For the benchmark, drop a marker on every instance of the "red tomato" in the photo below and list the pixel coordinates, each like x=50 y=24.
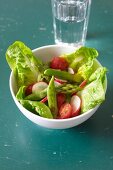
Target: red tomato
x=83 y=84
x=65 y=111
x=60 y=99
x=59 y=63
x=28 y=90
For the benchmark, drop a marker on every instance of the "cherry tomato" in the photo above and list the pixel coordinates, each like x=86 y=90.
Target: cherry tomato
x=61 y=97
x=65 y=111
x=28 y=90
x=59 y=63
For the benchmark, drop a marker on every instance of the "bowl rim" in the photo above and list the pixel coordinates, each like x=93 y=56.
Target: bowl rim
x=55 y=46
x=43 y=118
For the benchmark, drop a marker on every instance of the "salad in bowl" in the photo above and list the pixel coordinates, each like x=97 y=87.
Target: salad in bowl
x=56 y=86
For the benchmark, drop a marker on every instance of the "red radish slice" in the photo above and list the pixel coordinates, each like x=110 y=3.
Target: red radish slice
x=57 y=83
x=39 y=86
x=76 y=105
x=44 y=99
x=83 y=84
x=60 y=81
x=70 y=70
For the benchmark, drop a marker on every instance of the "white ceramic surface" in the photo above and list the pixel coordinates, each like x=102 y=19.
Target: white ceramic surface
x=46 y=53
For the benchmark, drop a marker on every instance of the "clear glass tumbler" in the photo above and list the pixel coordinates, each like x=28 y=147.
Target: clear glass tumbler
x=70 y=21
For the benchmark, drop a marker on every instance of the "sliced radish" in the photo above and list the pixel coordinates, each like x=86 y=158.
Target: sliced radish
x=83 y=84
x=70 y=70
x=44 y=99
x=39 y=86
x=60 y=80
x=57 y=83
x=76 y=105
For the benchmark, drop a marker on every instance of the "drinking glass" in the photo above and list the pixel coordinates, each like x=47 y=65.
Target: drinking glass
x=70 y=21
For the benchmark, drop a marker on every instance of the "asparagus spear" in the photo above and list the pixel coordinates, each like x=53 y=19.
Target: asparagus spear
x=68 y=88
x=64 y=88
x=63 y=75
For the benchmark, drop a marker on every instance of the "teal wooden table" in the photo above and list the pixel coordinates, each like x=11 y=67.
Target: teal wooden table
x=26 y=146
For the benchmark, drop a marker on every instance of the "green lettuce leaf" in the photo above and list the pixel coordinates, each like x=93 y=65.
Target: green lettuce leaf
x=99 y=73
x=27 y=67
x=80 y=57
x=85 y=70
x=21 y=93
x=93 y=93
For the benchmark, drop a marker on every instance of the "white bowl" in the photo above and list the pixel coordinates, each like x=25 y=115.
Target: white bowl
x=46 y=53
